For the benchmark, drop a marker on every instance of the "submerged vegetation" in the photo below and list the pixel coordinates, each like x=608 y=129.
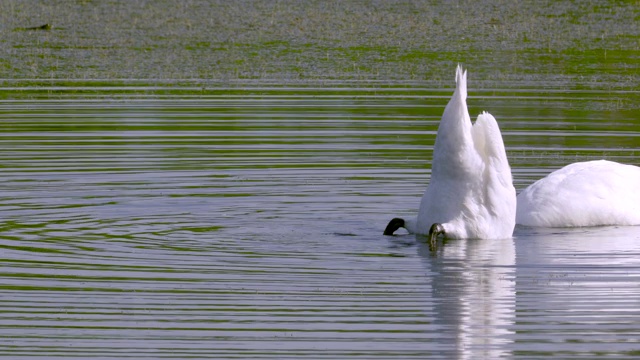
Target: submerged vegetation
x=315 y=41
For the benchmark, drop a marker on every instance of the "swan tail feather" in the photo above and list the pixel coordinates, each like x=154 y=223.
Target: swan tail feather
x=454 y=155
x=461 y=82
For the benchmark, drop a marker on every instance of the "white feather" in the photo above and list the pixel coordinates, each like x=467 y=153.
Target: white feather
x=471 y=191
x=592 y=193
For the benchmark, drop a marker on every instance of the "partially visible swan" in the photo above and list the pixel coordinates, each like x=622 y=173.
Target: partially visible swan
x=471 y=194
x=591 y=193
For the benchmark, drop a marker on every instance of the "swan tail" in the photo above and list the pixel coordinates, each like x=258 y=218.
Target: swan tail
x=453 y=154
x=461 y=82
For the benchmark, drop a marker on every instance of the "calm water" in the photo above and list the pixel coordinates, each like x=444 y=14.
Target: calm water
x=246 y=222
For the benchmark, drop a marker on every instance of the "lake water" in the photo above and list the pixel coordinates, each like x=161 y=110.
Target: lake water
x=246 y=221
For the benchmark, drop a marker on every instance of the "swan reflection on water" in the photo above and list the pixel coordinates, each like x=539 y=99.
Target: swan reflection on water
x=495 y=298
x=473 y=290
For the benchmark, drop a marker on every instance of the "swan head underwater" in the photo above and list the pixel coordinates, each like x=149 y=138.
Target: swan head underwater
x=470 y=193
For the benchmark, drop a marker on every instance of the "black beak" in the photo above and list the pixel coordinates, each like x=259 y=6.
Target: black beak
x=394 y=224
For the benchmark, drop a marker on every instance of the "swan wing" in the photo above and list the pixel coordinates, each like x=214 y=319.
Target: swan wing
x=487 y=140
x=498 y=197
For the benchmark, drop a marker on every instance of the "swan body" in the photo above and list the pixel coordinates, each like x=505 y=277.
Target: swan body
x=591 y=193
x=470 y=194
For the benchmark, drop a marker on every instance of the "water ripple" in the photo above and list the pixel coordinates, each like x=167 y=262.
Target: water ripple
x=246 y=222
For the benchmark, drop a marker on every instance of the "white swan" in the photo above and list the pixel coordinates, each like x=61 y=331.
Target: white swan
x=591 y=193
x=471 y=194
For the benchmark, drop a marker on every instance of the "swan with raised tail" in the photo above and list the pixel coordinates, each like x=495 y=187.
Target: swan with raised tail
x=591 y=193
x=471 y=193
